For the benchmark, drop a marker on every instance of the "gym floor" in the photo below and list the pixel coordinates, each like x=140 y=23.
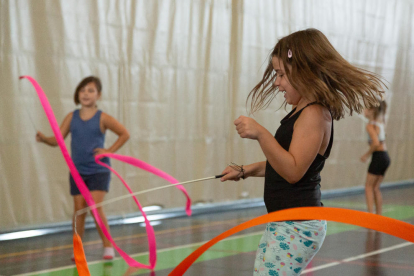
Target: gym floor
x=347 y=250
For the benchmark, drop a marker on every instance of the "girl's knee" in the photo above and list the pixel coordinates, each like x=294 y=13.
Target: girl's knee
x=81 y=216
x=369 y=188
x=377 y=189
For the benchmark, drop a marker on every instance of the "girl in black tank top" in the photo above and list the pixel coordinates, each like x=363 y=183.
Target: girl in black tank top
x=323 y=86
x=279 y=193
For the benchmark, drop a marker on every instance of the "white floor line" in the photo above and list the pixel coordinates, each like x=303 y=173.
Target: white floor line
x=140 y=254
x=236 y=237
x=357 y=257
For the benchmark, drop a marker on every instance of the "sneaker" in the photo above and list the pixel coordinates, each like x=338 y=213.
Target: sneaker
x=109 y=253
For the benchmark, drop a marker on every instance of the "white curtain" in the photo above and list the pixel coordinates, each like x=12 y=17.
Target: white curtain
x=176 y=74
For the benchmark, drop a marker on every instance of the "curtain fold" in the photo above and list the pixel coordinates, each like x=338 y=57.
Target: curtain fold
x=177 y=74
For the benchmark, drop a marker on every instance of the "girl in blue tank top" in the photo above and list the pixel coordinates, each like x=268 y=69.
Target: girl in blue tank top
x=380 y=160
x=322 y=86
x=87 y=126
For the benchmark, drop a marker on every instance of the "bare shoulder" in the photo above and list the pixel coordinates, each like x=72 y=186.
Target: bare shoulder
x=108 y=120
x=69 y=116
x=371 y=127
x=106 y=116
x=316 y=114
x=65 y=126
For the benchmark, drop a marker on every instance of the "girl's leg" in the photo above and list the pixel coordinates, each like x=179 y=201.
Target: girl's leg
x=286 y=248
x=378 y=195
x=369 y=191
x=98 y=197
x=259 y=267
x=79 y=203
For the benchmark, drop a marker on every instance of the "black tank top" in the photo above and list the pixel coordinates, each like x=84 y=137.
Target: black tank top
x=280 y=194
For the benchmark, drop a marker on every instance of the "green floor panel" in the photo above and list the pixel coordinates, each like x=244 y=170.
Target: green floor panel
x=246 y=244
x=169 y=258
x=337 y=227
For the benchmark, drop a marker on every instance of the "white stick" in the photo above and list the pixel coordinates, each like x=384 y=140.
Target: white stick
x=85 y=210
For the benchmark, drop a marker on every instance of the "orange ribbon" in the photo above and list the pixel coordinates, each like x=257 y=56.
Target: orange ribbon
x=80 y=259
x=387 y=225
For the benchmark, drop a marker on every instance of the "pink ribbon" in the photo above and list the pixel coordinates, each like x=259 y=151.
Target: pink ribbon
x=147 y=167
x=87 y=195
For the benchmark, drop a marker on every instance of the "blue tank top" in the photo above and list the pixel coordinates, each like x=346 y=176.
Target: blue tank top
x=87 y=136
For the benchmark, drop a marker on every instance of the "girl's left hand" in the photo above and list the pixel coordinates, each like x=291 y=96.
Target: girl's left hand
x=248 y=127
x=40 y=137
x=364 y=158
x=98 y=151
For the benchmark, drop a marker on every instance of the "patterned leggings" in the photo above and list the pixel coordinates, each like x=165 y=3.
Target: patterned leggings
x=287 y=247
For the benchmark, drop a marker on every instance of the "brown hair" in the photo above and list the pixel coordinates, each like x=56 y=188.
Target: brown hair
x=379 y=109
x=83 y=83
x=318 y=70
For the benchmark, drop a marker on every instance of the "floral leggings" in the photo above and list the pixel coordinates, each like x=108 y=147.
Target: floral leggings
x=287 y=247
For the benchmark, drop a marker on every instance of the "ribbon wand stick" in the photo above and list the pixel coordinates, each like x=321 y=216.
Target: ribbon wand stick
x=85 y=210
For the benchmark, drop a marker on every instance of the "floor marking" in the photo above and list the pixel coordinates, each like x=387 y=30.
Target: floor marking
x=140 y=254
x=140 y=235
x=334 y=263
x=362 y=256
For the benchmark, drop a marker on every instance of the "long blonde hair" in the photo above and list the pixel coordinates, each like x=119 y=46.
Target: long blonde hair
x=318 y=70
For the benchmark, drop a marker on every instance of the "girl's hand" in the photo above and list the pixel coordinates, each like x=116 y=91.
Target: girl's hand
x=231 y=174
x=364 y=158
x=40 y=137
x=248 y=127
x=98 y=151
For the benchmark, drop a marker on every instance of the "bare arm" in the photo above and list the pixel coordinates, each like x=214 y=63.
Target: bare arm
x=375 y=143
x=64 y=129
x=112 y=124
x=256 y=169
x=306 y=142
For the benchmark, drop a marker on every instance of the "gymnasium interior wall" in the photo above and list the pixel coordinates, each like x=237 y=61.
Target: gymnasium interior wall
x=177 y=74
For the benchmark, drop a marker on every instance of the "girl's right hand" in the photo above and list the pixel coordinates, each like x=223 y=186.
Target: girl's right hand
x=40 y=137
x=230 y=174
x=364 y=158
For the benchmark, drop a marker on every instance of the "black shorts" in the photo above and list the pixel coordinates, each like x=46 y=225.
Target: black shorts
x=94 y=182
x=379 y=163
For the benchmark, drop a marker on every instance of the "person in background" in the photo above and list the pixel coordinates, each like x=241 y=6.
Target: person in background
x=87 y=126
x=380 y=160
